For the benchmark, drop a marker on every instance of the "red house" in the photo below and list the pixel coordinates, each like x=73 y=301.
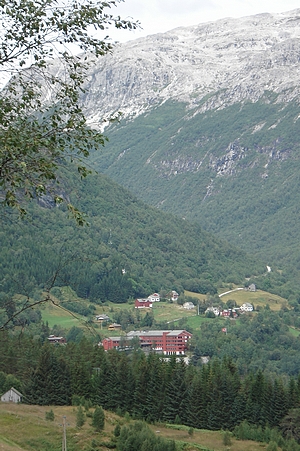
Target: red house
x=54 y=339
x=166 y=342
x=225 y=313
x=143 y=303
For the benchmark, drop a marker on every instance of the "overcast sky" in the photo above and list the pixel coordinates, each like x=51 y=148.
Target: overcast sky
x=162 y=15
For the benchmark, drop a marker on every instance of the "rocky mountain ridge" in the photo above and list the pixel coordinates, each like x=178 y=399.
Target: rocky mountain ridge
x=212 y=65
x=210 y=129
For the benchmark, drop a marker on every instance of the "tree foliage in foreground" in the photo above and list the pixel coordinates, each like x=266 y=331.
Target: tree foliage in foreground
x=41 y=120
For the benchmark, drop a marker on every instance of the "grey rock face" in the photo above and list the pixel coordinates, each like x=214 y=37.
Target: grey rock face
x=211 y=65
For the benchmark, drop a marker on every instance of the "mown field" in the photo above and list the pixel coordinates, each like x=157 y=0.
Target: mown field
x=55 y=315
x=257 y=298
x=24 y=428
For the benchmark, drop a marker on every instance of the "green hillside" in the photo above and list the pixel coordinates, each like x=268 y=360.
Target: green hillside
x=128 y=250
x=235 y=171
x=34 y=432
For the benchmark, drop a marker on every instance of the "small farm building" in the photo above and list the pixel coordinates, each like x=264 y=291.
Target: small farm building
x=12 y=395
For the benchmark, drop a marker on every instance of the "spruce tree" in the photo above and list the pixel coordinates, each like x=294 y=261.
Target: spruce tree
x=155 y=396
x=49 y=415
x=176 y=391
x=49 y=382
x=98 y=419
x=278 y=404
x=142 y=377
x=80 y=418
x=196 y=406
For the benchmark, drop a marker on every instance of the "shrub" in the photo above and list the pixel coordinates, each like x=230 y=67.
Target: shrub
x=117 y=430
x=191 y=432
x=76 y=400
x=49 y=415
x=177 y=419
x=272 y=446
x=227 y=438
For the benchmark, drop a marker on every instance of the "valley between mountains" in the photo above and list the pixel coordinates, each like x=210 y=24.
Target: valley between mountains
x=210 y=128
x=195 y=198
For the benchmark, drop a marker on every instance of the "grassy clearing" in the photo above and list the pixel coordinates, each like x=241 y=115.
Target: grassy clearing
x=205 y=440
x=168 y=312
x=8 y=445
x=56 y=315
x=24 y=428
x=294 y=331
x=195 y=321
x=199 y=296
x=257 y=298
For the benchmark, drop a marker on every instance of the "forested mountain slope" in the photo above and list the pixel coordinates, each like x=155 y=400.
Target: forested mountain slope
x=235 y=171
x=210 y=128
x=154 y=249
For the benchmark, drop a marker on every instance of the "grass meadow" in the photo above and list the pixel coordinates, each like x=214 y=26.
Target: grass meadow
x=24 y=428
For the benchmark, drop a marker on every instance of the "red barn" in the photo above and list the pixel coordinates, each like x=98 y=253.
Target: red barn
x=142 y=303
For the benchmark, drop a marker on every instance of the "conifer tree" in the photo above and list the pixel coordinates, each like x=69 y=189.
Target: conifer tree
x=49 y=382
x=278 y=403
x=80 y=418
x=196 y=395
x=175 y=391
x=155 y=395
x=80 y=378
x=142 y=377
x=98 y=419
x=215 y=404
x=293 y=394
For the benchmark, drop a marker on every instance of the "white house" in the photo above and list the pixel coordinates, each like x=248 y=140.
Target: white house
x=102 y=318
x=173 y=295
x=247 y=307
x=252 y=287
x=154 y=297
x=215 y=310
x=12 y=395
x=188 y=305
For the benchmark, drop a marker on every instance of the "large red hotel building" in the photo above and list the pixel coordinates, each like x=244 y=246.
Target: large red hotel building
x=166 y=342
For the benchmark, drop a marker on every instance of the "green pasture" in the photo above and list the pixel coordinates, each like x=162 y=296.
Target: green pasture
x=257 y=298
x=56 y=315
x=170 y=312
x=199 y=296
x=194 y=322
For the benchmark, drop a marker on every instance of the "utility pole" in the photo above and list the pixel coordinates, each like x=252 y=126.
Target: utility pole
x=64 y=439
